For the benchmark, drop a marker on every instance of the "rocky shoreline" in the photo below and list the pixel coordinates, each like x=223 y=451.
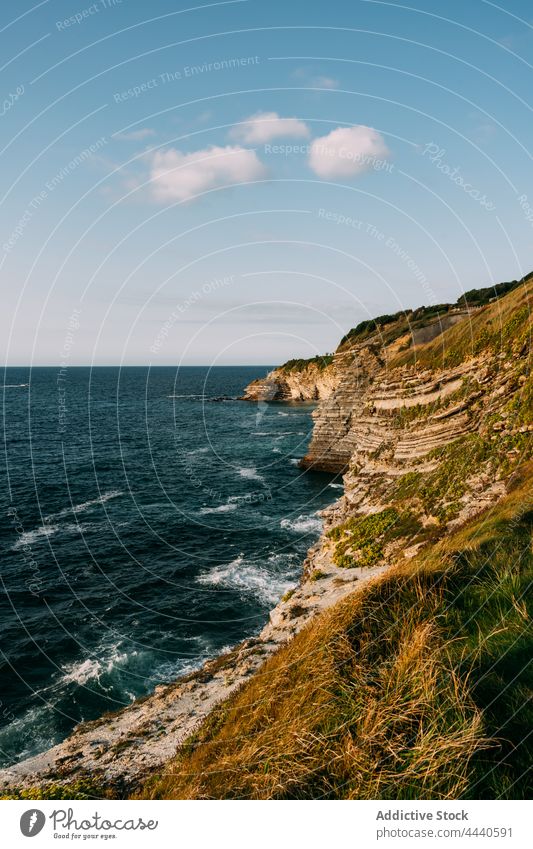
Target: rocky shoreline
x=120 y=750
x=427 y=436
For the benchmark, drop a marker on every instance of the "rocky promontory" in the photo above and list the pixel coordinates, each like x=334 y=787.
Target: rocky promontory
x=427 y=414
x=297 y=380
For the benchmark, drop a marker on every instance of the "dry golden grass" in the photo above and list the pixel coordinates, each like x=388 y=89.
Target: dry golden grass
x=382 y=697
x=365 y=703
x=342 y=712
x=497 y=326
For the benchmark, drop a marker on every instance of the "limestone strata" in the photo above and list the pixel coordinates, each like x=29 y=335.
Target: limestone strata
x=308 y=384
x=381 y=424
x=363 y=415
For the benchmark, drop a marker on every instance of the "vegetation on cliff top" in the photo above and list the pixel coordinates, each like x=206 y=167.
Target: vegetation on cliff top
x=403 y=321
x=500 y=328
x=321 y=361
x=393 y=325
x=417 y=686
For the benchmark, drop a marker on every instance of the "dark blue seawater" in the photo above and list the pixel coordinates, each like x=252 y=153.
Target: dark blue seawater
x=146 y=527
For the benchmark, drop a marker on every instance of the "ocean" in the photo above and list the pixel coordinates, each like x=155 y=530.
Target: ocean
x=150 y=522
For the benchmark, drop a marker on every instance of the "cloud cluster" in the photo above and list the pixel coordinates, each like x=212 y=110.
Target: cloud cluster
x=343 y=153
x=265 y=126
x=182 y=176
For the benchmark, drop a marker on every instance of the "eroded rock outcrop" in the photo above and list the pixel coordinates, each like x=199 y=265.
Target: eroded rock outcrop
x=427 y=433
x=311 y=380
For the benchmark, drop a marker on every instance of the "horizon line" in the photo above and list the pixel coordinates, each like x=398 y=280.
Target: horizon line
x=142 y=365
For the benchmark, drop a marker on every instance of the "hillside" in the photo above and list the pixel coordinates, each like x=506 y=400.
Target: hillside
x=417 y=683
x=399 y=667
x=318 y=377
x=418 y=686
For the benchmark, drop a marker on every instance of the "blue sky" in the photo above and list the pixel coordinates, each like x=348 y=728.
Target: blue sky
x=242 y=182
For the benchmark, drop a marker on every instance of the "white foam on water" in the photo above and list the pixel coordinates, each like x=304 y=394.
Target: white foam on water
x=303 y=524
x=248 y=578
x=85 y=505
x=250 y=474
x=37 y=534
x=282 y=434
x=91 y=669
x=222 y=508
x=29 y=537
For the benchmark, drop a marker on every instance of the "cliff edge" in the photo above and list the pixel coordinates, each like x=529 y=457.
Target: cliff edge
x=394 y=667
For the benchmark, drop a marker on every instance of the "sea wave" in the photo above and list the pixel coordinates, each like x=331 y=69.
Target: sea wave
x=38 y=534
x=29 y=537
x=92 y=668
x=222 y=508
x=85 y=505
x=205 y=397
x=282 y=434
x=248 y=578
x=303 y=524
x=250 y=474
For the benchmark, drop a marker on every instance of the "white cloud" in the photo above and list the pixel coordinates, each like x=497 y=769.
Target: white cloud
x=181 y=176
x=136 y=135
x=265 y=126
x=347 y=152
x=325 y=82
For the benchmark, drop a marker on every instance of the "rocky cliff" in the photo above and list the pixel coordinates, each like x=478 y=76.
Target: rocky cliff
x=429 y=416
x=297 y=380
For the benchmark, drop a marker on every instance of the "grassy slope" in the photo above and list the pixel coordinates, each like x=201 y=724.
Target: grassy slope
x=417 y=686
x=389 y=327
x=420 y=684
x=501 y=327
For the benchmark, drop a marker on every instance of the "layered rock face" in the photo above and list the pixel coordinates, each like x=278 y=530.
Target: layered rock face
x=309 y=383
x=391 y=409
x=369 y=414
x=427 y=433
x=405 y=399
